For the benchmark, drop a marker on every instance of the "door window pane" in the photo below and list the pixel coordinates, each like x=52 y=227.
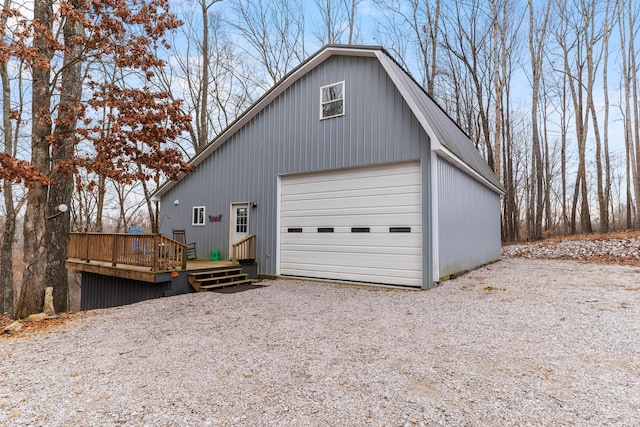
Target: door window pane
x=241 y=220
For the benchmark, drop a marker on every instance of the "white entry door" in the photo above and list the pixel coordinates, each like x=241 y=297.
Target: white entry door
x=239 y=222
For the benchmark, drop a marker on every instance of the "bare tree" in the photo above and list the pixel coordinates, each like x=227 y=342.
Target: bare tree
x=467 y=36
x=9 y=225
x=577 y=39
x=603 y=188
x=537 y=42
x=351 y=7
x=274 y=32
x=417 y=26
x=201 y=116
x=628 y=27
x=626 y=77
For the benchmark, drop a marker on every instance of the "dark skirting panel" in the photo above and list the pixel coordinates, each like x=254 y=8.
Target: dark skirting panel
x=99 y=291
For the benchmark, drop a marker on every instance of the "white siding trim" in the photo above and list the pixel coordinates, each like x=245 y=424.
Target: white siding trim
x=278 y=220
x=435 y=209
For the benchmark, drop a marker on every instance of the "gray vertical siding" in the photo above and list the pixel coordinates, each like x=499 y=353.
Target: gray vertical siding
x=288 y=137
x=469 y=221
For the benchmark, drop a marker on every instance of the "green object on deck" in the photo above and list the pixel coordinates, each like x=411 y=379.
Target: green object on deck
x=215 y=256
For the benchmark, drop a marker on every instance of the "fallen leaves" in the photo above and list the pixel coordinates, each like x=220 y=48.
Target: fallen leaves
x=35 y=327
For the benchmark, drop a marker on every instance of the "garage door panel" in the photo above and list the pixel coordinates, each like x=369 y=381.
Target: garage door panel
x=321 y=241
x=305 y=251
x=344 y=223
x=320 y=184
x=387 y=200
x=307 y=269
x=339 y=194
x=322 y=218
x=354 y=274
x=376 y=198
x=339 y=262
x=326 y=245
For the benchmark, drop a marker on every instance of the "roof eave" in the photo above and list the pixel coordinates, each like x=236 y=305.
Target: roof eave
x=436 y=144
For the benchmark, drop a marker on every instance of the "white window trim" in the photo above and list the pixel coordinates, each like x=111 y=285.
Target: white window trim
x=344 y=101
x=204 y=215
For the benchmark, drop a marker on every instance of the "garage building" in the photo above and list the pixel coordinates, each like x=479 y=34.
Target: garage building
x=345 y=170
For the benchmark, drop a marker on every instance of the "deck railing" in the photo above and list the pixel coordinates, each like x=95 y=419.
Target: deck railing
x=145 y=250
x=244 y=249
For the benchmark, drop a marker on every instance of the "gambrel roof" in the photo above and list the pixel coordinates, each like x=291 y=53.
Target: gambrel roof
x=448 y=140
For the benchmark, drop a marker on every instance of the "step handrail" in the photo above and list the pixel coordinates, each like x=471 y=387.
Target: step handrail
x=244 y=248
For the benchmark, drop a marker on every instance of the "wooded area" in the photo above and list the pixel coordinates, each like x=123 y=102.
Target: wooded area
x=104 y=100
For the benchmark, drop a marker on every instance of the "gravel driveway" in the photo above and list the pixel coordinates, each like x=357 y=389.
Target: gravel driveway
x=519 y=342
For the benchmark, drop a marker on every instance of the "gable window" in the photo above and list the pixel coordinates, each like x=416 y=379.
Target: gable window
x=332 y=100
x=197 y=218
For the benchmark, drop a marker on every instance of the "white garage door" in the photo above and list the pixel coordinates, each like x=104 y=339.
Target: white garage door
x=360 y=225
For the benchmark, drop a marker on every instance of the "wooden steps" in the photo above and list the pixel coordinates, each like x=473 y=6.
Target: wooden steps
x=218 y=278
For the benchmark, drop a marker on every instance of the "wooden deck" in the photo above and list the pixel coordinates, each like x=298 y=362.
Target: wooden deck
x=140 y=273
x=151 y=258
x=153 y=251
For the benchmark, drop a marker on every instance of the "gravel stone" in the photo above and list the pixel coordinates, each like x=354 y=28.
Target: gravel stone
x=608 y=249
x=519 y=342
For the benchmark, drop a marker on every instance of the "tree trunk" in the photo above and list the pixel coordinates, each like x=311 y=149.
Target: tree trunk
x=100 y=204
x=536 y=44
x=6 y=253
x=602 y=201
x=581 y=118
x=203 y=131
x=352 y=20
x=434 y=45
x=58 y=226
x=630 y=170
x=155 y=227
x=33 y=279
x=9 y=228
x=510 y=218
x=604 y=220
x=633 y=69
x=563 y=153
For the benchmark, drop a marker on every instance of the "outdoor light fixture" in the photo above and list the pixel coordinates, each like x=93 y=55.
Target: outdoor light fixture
x=62 y=208
x=254 y=205
x=176 y=202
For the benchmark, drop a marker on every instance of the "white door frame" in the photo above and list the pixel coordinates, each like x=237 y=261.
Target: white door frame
x=278 y=219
